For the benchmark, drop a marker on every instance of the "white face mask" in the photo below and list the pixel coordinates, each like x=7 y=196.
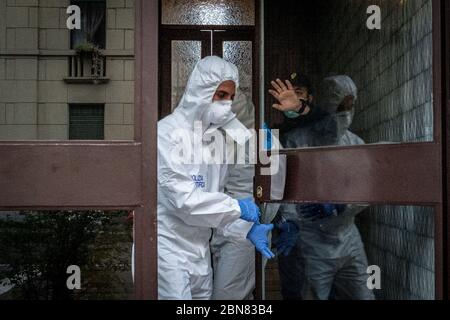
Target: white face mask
x=218 y=113
x=344 y=121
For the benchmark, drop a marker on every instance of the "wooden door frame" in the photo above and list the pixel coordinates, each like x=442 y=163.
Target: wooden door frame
x=168 y=33
x=101 y=175
x=88 y=165
x=446 y=145
x=245 y=34
x=146 y=104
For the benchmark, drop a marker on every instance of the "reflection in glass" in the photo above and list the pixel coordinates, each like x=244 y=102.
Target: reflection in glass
x=208 y=12
x=38 y=247
x=391 y=67
x=329 y=260
x=401 y=241
x=185 y=54
x=240 y=54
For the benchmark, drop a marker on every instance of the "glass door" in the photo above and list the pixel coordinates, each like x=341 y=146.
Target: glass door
x=381 y=174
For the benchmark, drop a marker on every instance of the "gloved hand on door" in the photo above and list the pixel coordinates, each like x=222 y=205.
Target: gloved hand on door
x=258 y=235
x=249 y=210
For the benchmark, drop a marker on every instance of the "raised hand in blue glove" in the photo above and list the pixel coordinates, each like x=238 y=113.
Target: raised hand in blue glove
x=249 y=210
x=287 y=238
x=258 y=235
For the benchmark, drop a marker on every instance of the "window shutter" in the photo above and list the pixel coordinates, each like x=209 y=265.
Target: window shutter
x=86 y=121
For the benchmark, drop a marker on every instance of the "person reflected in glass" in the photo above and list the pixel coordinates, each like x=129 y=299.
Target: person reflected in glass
x=319 y=248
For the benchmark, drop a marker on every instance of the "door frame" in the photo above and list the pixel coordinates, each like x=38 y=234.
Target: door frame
x=168 y=33
x=445 y=27
x=100 y=175
x=134 y=163
x=146 y=106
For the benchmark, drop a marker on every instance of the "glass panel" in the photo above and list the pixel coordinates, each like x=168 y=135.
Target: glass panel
x=240 y=53
x=208 y=12
x=391 y=69
x=185 y=55
x=42 y=77
x=328 y=260
x=44 y=251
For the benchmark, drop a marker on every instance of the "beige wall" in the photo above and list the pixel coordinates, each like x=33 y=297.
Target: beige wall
x=34 y=48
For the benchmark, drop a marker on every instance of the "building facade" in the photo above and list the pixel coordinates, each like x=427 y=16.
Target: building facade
x=48 y=87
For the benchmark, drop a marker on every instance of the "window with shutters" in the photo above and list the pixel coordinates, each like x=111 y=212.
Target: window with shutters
x=86 y=121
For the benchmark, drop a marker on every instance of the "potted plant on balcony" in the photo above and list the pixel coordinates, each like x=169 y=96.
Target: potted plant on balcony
x=91 y=51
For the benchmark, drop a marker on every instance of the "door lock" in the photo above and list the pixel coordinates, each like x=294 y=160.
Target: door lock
x=259 y=192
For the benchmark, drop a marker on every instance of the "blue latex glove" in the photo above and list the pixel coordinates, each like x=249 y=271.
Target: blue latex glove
x=314 y=212
x=287 y=238
x=249 y=210
x=258 y=235
x=268 y=137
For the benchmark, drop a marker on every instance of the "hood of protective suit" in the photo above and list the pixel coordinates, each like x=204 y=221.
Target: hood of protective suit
x=333 y=90
x=244 y=109
x=207 y=76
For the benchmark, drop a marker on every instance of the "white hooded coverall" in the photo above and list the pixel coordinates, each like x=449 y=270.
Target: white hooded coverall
x=191 y=198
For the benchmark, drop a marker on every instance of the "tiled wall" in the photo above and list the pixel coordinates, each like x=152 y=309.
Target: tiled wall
x=400 y=240
x=392 y=67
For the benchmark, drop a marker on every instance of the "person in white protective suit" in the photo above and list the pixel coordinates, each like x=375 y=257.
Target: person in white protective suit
x=233 y=258
x=320 y=242
x=191 y=198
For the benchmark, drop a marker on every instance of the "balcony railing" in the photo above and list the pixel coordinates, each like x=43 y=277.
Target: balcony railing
x=84 y=69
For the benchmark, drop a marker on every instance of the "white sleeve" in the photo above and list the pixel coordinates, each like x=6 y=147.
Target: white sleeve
x=239 y=186
x=194 y=206
x=238 y=229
